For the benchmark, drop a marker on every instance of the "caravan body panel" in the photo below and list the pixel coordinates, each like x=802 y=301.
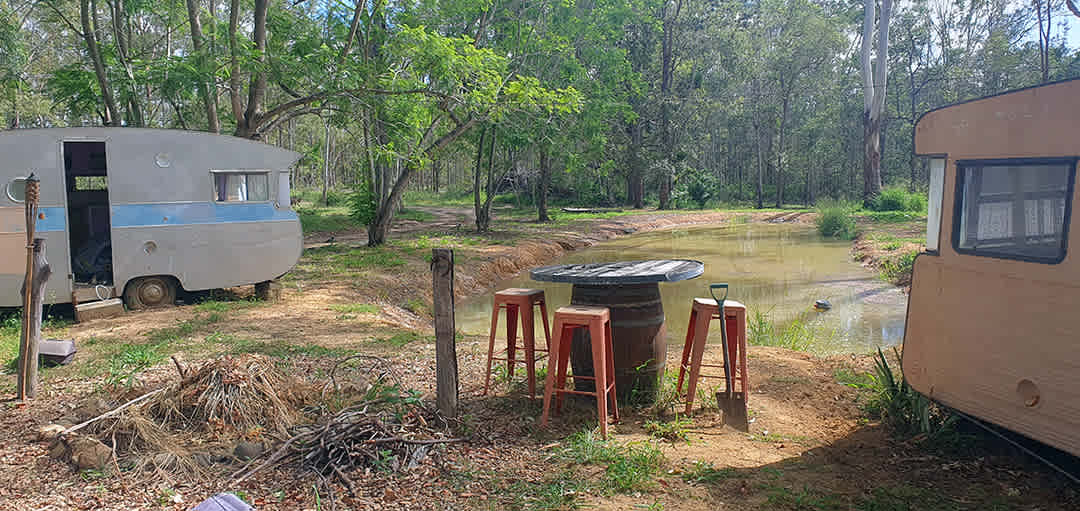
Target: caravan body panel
x=991 y=334
x=164 y=215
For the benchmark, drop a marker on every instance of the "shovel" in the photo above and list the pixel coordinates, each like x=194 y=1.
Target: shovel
x=732 y=404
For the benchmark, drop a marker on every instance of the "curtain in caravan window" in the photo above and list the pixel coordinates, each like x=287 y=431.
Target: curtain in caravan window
x=1014 y=210
x=239 y=187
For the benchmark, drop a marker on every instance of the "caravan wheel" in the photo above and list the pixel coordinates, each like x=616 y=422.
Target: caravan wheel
x=148 y=292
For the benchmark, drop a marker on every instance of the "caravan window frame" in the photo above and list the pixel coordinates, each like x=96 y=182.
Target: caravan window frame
x=958 y=206
x=244 y=172
x=7 y=189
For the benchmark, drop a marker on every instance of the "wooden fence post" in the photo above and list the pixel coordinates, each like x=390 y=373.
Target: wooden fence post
x=446 y=369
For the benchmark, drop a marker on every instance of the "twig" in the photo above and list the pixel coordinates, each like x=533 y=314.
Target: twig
x=112 y=412
x=348 y=482
x=391 y=440
x=179 y=368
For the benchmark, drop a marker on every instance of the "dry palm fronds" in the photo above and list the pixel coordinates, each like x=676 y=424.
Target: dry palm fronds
x=219 y=402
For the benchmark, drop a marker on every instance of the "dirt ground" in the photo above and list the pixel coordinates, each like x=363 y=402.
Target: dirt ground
x=810 y=445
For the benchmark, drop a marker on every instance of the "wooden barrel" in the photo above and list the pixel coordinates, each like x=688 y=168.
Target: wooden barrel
x=637 y=324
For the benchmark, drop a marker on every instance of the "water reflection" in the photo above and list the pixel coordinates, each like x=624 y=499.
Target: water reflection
x=777 y=270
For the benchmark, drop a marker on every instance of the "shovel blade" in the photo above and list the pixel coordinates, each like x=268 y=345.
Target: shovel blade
x=733 y=408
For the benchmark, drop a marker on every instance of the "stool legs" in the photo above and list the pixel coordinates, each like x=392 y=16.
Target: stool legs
x=701 y=334
x=603 y=369
x=557 y=374
x=684 y=366
x=491 y=344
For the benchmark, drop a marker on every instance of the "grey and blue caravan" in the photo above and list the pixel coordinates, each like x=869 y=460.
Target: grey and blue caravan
x=141 y=213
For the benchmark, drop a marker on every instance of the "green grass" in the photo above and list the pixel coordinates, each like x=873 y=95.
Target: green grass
x=898 y=199
x=674 y=430
x=890 y=217
x=705 y=472
x=853 y=379
x=401 y=339
x=629 y=467
x=278 y=349
x=796 y=335
x=356 y=308
x=415 y=215
x=332 y=257
x=553 y=493
x=898 y=267
x=326 y=219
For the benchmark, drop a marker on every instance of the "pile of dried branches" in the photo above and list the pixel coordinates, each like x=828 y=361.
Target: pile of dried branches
x=389 y=429
x=209 y=408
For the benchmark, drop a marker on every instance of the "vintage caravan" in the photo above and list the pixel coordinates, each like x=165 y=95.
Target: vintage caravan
x=993 y=325
x=141 y=213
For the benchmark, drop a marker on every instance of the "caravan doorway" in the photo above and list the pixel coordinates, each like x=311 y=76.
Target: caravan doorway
x=89 y=230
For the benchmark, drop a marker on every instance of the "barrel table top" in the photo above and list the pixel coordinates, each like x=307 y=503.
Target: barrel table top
x=620 y=273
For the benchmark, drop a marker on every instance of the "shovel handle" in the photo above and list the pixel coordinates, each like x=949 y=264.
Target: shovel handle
x=712 y=291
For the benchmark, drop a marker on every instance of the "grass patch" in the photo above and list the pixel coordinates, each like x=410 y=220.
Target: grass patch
x=629 y=467
x=238 y=345
x=778 y=438
x=132 y=359
x=805 y=499
x=796 y=335
x=705 y=472
x=890 y=217
x=904 y=410
x=401 y=339
x=898 y=199
x=416 y=215
x=898 y=268
x=672 y=431
x=356 y=308
x=322 y=219
x=855 y=380
x=556 y=493
x=837 y=220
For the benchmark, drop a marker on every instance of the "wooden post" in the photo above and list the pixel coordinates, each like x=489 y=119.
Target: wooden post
x=31 y=338
x=27 y=381
x=442 y=276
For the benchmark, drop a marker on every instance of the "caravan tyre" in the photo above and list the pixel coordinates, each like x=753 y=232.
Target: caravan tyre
x=149 y=292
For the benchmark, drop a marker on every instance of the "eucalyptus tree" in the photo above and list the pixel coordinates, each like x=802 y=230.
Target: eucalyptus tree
x=874 y=82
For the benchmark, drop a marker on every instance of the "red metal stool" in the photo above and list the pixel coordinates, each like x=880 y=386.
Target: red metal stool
x=518 y=302
x=598 y=321
x=702 y=313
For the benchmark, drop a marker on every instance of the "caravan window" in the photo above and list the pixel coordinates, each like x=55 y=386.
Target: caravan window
x=16 y=189
x=1013 y=209
x=241 y=186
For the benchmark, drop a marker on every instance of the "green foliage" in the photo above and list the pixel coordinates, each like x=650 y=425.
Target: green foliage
x=899 y=199
x=130 y=360
x=795 y=335
x=853 y=379
x=416 y=215
x=319 y=219
x=705 y=472
x=629 y=467
x=399 y=340
x=356 y=308
x=836 y=220
x=903 y=409
x=673 y=430
x=898 y=268
x=362 y=203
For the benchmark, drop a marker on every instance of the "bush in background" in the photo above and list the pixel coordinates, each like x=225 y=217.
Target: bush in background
x=898 y=199
x=836 y=220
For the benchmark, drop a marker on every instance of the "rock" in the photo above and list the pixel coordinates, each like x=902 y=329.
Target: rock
x=91 y=408
x=822 y=305
x=85 y=452
x=88 y=452
x=248 y=450
x=49 y=432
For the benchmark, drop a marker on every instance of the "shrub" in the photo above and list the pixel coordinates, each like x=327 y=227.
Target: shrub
x=901 y=407
x=898 y=269
x=898 y=199
x=362 y=204
x=835 y=220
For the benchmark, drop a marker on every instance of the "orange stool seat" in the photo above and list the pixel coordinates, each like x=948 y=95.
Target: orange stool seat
x=518 y=302
x=598 y=322
x=702 y=313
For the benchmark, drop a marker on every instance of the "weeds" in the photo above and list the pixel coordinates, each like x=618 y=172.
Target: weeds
x=672 y=431
x=630 y=467
x=705 y=472
x=898 y=268
x=356 y=308
x=401 y=339
x=836 y=220
x=898 y=199
x=796 y=335
x=855 y=380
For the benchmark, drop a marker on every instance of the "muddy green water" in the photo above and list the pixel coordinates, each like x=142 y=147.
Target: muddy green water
x=777 y=270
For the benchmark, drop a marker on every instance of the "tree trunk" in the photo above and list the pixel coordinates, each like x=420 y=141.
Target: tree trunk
x=542 y=187
x=780 y=153
x=206 y=91
x=871 y=158
x=484 y=218
x=476 y=181
x=27 y=386
x=111 y=114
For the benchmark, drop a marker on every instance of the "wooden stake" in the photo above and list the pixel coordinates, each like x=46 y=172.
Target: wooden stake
x=446 y=369
x=27 y=377
x=31 y=337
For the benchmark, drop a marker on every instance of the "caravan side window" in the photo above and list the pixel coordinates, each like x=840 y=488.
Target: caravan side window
x=241 y=186
x=1015 y=209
